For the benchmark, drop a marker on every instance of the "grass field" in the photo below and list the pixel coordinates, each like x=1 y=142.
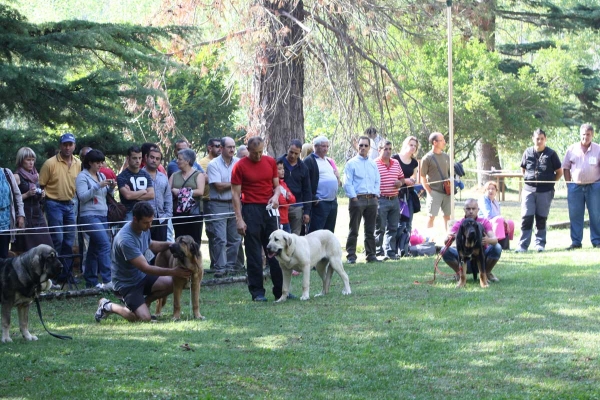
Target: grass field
x=534 y=334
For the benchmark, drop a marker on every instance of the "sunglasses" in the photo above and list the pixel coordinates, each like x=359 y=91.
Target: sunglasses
x=216 y=145
x=363 y=145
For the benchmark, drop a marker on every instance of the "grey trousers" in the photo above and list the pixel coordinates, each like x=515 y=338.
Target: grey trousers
x=295 y=215
x=388 y=217
x=225 y=238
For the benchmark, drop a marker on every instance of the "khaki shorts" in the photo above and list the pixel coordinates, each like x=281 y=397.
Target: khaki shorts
x=437 y=200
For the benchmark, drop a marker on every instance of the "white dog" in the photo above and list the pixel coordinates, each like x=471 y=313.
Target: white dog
x=320 y=248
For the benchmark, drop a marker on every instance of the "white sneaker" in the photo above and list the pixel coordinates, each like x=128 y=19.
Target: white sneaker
x=98 y=286
x=107 y=286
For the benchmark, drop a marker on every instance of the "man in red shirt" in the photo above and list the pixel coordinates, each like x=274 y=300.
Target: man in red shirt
x=254 y=186
x=388 y=213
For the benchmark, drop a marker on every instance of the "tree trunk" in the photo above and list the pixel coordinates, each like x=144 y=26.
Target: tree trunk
x=277 y=110
x=486 y=152
x=487 y=157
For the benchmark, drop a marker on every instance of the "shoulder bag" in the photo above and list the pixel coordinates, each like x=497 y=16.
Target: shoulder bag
x=446 y=182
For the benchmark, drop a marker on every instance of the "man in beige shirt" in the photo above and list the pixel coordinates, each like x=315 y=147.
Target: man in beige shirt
x=57 y=178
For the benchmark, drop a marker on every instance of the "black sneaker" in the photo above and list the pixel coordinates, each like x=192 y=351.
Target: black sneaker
x=101 y=312
x=260 y=298
x=573 y=247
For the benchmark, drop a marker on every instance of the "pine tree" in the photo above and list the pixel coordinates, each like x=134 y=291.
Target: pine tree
x=72 y=75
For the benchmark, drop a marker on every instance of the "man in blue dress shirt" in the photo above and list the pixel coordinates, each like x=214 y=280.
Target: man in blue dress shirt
x=361 y=184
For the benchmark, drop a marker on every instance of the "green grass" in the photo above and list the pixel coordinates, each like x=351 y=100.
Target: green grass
x=532 y=335
x=535 y=334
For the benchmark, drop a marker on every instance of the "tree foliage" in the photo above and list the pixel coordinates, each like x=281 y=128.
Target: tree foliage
x=72 y=75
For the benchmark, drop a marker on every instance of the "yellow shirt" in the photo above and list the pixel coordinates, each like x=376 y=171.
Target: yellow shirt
x=58 y=179
x=204 y=164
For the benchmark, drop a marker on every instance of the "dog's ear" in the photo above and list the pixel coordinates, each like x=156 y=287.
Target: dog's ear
x=288 y=240
x=195 y=248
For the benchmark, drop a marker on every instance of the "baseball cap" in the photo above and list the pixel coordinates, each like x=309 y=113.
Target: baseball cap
x=67 y=137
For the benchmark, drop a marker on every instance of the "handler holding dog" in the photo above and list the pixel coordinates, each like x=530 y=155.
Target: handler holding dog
x=491 y=247
x=133 y=277
x=255 y=190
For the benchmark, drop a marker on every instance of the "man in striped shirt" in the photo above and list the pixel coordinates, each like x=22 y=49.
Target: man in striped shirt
x=388 y=214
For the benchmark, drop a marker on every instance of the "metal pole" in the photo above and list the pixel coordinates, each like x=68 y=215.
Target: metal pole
x=450 y=107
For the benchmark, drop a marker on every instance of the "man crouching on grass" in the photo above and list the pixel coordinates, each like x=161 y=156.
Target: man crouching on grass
x=138 y=282
x=490 y=243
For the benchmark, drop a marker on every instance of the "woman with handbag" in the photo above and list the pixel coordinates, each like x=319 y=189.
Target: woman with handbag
x=187 y=186
x=26 y=177
x=409 y=165
x=11 y=210
x=92 y=188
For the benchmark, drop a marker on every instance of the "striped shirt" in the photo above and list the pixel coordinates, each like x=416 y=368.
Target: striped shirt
x=389 y=175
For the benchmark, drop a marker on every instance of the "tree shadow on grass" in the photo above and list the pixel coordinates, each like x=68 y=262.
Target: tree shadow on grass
x=533 y=334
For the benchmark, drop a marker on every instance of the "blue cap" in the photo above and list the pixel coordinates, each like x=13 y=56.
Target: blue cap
x=67 y=137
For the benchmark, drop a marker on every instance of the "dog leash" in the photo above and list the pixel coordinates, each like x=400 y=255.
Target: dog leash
x=437 y=261
x=39 y=310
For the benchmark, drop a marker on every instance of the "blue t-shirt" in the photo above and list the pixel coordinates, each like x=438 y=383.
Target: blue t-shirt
x=138 y=181
x=128 y=245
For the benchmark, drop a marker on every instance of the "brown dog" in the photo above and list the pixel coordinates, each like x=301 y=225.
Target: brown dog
x=184 y=253
x=21 y=280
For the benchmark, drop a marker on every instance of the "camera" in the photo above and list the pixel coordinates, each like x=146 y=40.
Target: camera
x=38 y=191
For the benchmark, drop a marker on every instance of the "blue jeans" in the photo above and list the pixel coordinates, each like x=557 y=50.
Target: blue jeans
x=579 y=197
x=59 y=215
x=323 y=216
x=98 y=254
x=491 y=252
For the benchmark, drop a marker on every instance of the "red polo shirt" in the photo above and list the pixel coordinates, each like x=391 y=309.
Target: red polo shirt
x=256 y=179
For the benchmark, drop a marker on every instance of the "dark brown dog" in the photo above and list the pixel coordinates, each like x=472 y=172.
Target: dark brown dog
x=184 y=253
x=21 y=279
x=469 y=244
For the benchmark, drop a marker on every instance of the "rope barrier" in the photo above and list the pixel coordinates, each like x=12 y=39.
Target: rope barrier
x=229 y=215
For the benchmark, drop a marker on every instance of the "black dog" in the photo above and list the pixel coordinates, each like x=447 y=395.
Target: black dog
x=469 y=244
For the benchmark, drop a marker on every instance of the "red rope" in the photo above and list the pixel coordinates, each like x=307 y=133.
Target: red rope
x=436 y=269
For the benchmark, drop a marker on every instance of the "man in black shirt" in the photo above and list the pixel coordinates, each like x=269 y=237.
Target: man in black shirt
x=298 y=180
x=541 y=168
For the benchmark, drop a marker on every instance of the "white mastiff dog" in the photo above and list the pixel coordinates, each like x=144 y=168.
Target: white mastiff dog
x=320 y=248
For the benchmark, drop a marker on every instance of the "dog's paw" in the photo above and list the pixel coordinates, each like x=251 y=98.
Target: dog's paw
x=460 y=284
x=30 y=337
x=319 y=294
x=281 y=299
x=6 y=339
x=346 y=292
x=305 y=297
x=200 y=317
